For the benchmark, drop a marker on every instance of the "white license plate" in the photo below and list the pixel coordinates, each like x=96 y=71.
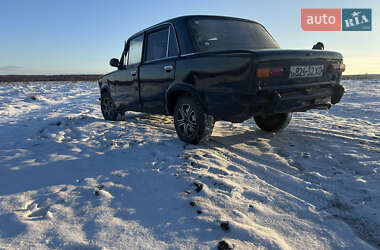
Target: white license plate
x=303 y=71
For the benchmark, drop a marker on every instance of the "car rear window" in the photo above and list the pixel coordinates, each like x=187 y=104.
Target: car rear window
x=157 y=43
x=213 y=34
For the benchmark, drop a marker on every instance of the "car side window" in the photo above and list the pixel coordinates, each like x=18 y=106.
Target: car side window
x=135 y=50
x=157 y=42
x=173 y=46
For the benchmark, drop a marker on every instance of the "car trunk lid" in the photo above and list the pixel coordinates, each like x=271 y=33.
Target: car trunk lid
x=284 y=68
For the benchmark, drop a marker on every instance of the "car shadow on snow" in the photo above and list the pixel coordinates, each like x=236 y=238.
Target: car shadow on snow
x=329 y=151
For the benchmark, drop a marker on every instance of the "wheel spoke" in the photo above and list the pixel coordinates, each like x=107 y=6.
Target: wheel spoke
x=183 y=111
x=192 y=126
x=185 y=130
x=180 y=122
x=192 y=120
x=190 y=112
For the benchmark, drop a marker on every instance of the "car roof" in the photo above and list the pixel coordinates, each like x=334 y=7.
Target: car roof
x=185 y=18
x=206 y=16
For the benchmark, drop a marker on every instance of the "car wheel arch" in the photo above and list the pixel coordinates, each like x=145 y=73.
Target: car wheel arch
x=176 y=90
x=105 y=89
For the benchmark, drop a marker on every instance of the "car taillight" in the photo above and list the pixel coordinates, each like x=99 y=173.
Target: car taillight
x=336 y=67
x=263 y=72
x=277 y=71
x=268 y=72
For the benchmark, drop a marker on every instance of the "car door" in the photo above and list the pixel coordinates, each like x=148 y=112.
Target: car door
x=125 y=81
x=157 y=71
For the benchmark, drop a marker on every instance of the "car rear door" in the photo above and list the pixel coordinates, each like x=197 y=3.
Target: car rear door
x=157 y=71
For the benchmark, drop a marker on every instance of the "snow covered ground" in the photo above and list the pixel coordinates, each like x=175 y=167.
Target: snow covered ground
x=70 y=180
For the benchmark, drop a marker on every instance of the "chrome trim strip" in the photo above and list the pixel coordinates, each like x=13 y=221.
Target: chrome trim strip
x=190 y=54
x=160 y=59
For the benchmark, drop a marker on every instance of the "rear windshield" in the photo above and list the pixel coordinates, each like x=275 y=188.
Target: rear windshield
x=212 y=34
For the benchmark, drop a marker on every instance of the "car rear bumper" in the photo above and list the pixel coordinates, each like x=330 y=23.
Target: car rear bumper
x=297 y=98
x=277 y=99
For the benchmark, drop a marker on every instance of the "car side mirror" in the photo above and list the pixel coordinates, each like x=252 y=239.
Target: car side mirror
x=114 y=62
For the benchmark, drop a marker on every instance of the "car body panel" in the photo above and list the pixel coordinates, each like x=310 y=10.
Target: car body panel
x=154 y=80
x=222 y=80
x=124 y=88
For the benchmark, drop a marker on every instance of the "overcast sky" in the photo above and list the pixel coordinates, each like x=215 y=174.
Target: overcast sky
x=80 y=36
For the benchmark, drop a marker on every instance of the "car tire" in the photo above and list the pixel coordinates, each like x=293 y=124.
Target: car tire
x=192 y=124
x=273 y=123
x=108 y=107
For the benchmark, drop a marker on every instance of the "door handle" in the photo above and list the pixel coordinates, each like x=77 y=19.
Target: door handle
x=134 y=73
x=168 y=68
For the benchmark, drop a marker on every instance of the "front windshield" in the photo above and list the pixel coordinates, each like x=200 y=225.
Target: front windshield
x=212 y=34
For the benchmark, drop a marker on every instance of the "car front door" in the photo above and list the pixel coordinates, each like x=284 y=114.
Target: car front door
x=125 y=81
x=157 y=71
